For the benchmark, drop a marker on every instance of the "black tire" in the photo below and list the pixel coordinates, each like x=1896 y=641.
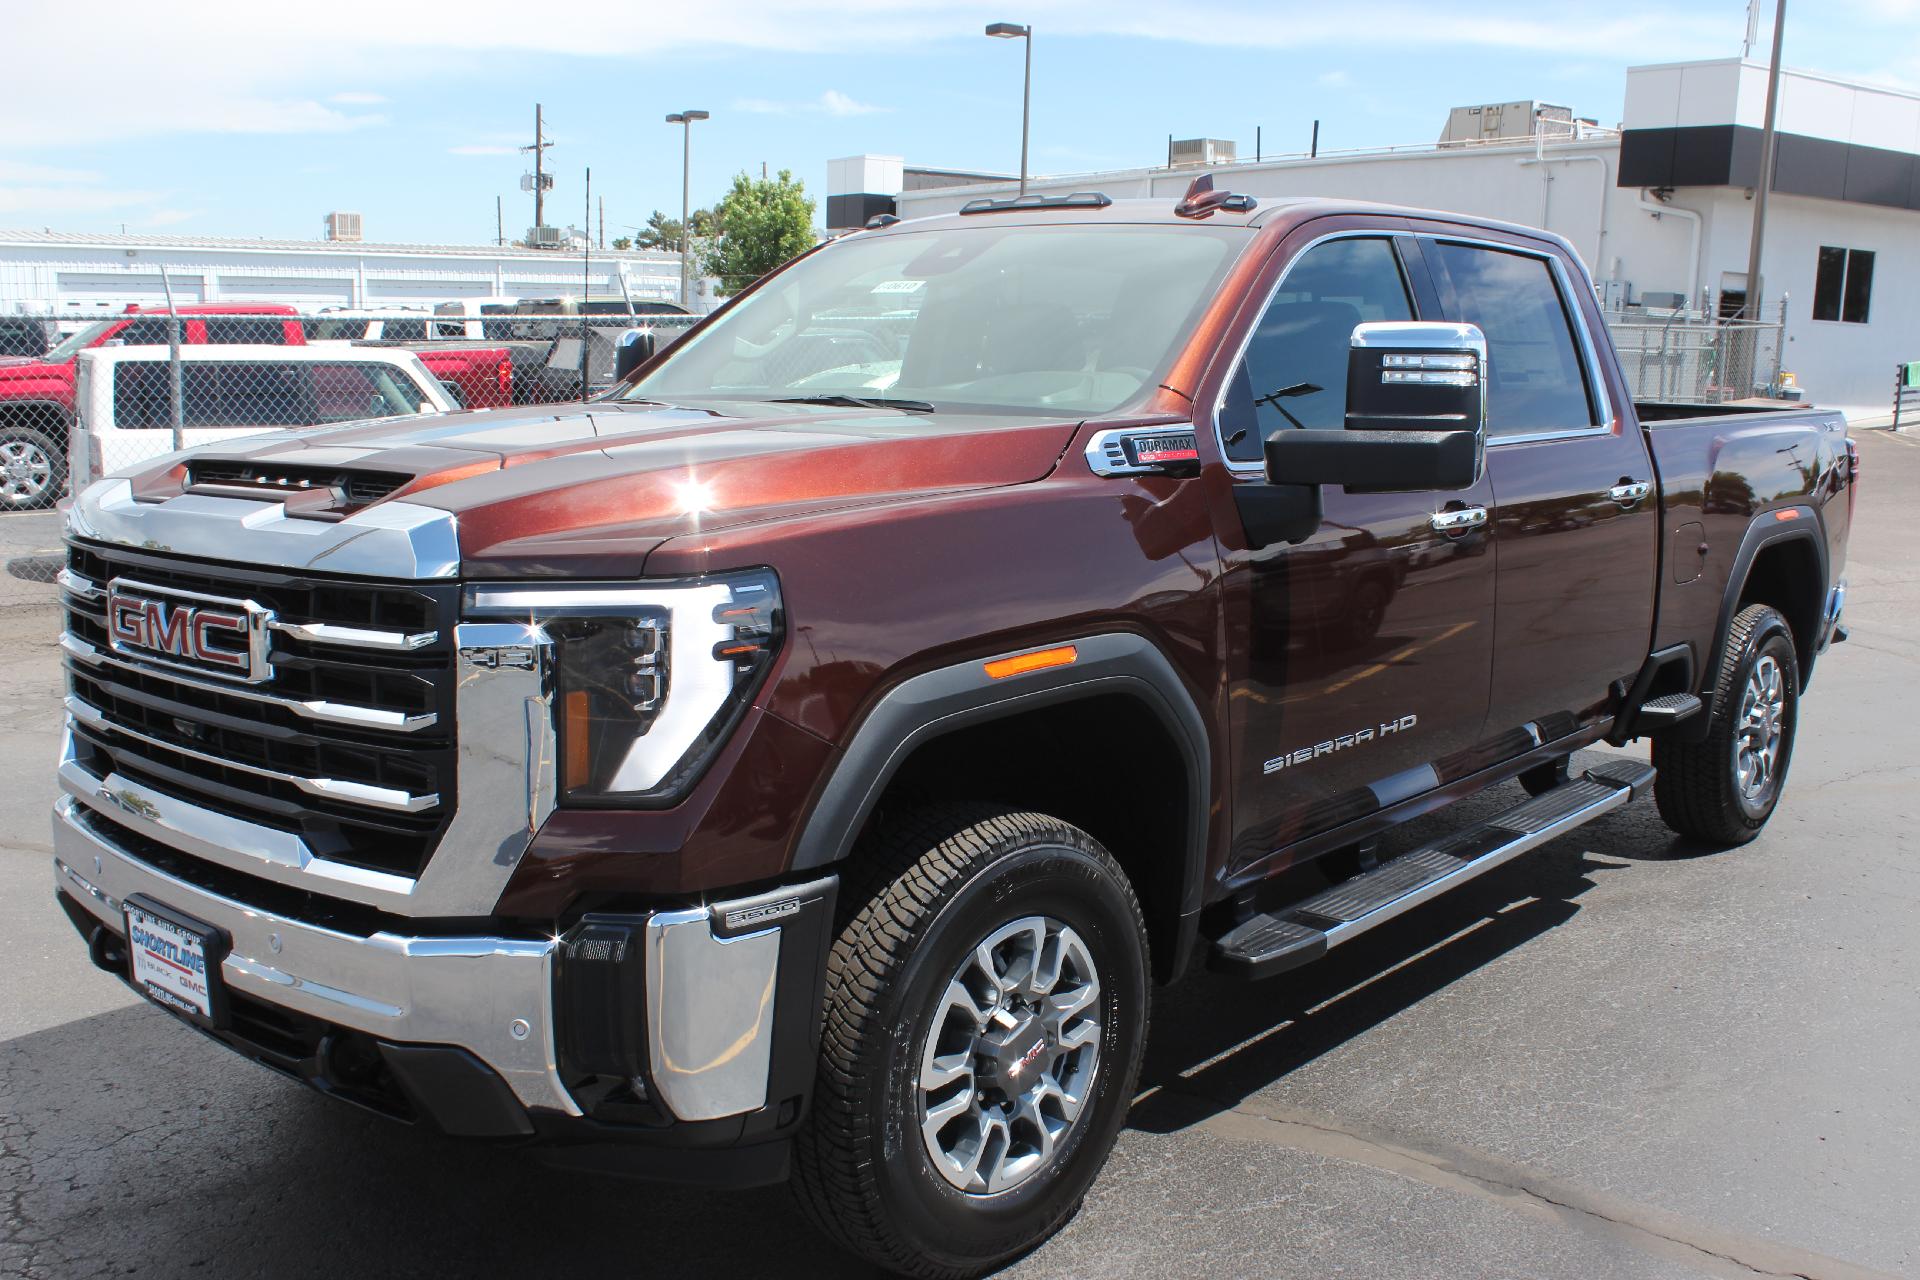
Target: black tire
x=1699 y=789
x=1543 y=778
x=33 y=469
x=941 y=881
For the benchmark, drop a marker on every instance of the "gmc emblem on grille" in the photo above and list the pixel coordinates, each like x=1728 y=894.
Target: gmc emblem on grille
x=199 y=632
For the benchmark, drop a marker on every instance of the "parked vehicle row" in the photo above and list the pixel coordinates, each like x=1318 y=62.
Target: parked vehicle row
x=802 y=762
x=485 y=354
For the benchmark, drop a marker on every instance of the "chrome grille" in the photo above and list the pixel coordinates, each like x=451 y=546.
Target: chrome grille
x=349 y=744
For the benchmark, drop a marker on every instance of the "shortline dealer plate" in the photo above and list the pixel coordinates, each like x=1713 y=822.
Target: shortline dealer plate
x=175 y=961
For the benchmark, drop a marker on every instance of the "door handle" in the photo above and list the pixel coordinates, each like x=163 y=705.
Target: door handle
x=1460 y=520
x=1628 y=494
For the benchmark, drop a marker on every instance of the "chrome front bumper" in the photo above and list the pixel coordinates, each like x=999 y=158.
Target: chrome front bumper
x=711 y=978
x=490 y=996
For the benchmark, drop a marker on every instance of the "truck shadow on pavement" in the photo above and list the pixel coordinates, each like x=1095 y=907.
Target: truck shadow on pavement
x=1216 y=1041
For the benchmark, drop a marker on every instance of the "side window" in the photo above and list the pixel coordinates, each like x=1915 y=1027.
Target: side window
x=268 y=329
x=1535 y=378
x=404 y=330
x=146 y=332
x=1295 y=371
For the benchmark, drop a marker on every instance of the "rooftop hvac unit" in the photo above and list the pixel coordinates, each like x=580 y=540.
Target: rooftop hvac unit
x=546 y=238
x=343 y=226
x=1504 y=120
x=1199 y=151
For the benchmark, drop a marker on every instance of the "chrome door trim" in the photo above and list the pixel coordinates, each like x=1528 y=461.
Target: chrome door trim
x=1601 y=400
x=1458 y=521
x=1254 y=468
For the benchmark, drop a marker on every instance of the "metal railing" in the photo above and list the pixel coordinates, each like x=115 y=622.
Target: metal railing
x=1694 y=358
x=1906 y=394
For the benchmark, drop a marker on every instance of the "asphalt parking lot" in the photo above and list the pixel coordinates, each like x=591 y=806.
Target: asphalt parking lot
x=1615 y=1057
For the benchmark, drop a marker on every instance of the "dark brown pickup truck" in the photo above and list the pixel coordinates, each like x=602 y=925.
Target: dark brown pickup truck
x=803 y=760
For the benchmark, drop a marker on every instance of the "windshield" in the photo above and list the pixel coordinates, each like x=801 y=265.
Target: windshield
x=1045 y=319
x=80 y=341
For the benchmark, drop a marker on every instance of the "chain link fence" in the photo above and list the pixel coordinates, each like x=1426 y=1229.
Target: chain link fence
x=84 y=399
x=1692 y=358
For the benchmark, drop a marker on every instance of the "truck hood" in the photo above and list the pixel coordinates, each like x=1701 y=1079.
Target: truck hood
x=582 y=490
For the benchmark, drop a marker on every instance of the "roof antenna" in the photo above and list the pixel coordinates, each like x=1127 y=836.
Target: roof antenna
x=1202 y=200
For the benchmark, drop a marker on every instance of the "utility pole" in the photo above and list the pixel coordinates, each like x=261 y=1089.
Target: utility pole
x=1765 y=181
x=603 y=222
x=499 y=223
x=539 y=149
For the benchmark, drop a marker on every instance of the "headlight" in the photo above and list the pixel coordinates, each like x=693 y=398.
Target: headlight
x=646 y=680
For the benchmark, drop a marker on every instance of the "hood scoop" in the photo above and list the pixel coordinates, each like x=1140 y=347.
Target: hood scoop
x=305 y=490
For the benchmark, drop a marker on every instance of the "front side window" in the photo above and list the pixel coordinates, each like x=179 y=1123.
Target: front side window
x=1535 y=379
x=1048 y=319
x=1843 y=285
x=1295 y=371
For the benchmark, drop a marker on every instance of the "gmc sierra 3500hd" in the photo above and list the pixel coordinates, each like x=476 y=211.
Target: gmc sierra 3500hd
x=802 y=761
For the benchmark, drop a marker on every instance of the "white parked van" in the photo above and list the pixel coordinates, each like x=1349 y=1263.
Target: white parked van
x=124 y=402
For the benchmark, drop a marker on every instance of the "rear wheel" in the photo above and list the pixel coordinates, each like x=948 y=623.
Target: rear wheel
x=1722 y=789
x=33 y=469
x=986 y=1011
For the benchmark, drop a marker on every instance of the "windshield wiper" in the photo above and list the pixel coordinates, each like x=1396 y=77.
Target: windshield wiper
x=858 y=402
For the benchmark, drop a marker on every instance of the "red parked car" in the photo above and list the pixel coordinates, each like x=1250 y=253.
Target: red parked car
x=36 y=394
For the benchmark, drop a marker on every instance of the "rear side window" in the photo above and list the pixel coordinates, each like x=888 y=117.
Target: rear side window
x=146 y=332
x=1535 y=378
x=404 y=330
x=267 y=329
x=1295 y=371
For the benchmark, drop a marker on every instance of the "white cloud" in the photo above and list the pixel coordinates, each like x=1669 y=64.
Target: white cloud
x=169 y=217
x=832 y=103
x=1333 y=79
x=265 y=69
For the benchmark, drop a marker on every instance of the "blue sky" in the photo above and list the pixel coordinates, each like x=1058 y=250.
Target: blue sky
x=220 y=118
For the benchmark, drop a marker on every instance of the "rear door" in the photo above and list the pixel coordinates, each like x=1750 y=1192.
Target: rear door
x=1358 y=659
x=1575 y=503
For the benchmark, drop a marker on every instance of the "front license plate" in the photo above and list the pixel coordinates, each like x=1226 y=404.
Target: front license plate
x=176 y=961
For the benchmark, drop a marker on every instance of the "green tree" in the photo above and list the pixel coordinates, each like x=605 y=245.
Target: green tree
x=623 y=242
x=663 y=233
x=762 y=223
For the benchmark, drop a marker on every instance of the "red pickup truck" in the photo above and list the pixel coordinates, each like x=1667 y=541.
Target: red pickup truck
x=37 y=394
x=805 y=760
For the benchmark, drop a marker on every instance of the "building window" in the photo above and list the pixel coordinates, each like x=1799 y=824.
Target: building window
x=1843 y=285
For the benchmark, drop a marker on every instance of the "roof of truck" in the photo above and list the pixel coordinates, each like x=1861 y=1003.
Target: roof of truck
x=1160 y=210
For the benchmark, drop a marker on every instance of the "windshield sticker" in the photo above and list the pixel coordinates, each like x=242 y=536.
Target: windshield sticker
x=899 y=286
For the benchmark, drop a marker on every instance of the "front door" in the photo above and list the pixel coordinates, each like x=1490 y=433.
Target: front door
x=1575 y=501
x=1360 y=658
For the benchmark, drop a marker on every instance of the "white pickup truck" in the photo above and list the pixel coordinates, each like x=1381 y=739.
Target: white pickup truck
x=124 y=399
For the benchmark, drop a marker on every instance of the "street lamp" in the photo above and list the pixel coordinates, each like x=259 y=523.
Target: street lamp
x=1014 y=31
x=685 y=119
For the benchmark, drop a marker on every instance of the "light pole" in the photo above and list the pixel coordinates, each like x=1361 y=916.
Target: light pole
x=685 y=120
x=1014 y=31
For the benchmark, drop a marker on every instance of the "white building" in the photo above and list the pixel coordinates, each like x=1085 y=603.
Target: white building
x=1661 y=209
x=78 y=274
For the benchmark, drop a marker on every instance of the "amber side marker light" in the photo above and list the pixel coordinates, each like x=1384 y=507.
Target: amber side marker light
x=1786 y=513
x=1039 y=660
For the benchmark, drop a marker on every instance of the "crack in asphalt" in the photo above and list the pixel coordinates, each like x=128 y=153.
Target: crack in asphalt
x=1479 y=1173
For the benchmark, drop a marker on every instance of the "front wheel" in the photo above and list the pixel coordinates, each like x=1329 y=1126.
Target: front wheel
x=1722 y=789
x=33 y=469
x=986 y=1009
